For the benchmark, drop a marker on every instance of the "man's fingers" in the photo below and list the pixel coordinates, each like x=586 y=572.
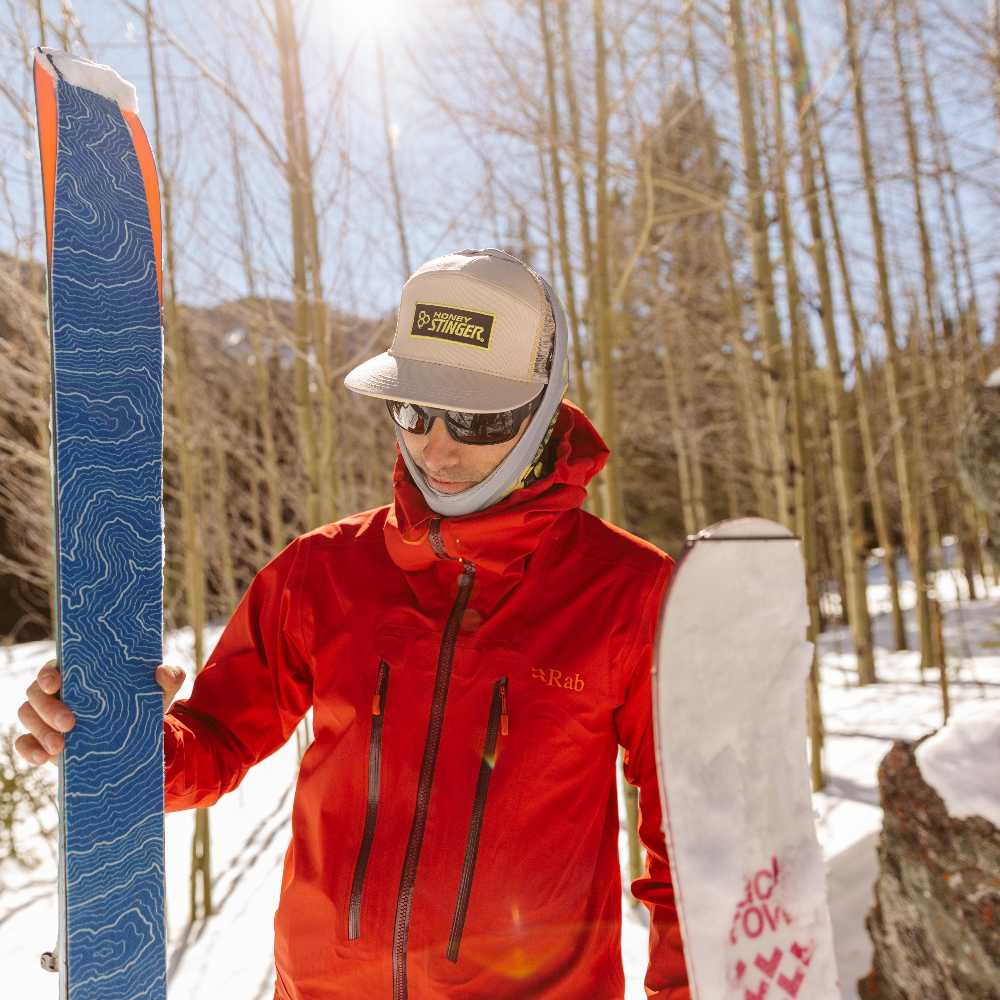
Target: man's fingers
x=45 y=735
x=53 y=712
x=31 y=750
x=171 y=679
x=48 y=677
x=46 y=718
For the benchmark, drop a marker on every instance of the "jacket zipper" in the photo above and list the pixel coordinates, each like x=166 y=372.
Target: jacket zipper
x=374 y=772
x=498 y=724
x=404 y=902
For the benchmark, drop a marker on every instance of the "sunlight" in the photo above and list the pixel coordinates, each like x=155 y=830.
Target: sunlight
x=370 y=15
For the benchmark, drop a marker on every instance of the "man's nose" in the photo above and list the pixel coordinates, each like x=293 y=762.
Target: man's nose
x=441 y=449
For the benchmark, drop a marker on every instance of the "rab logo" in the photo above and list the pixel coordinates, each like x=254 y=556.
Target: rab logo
x=555 y=678
x=461 y=326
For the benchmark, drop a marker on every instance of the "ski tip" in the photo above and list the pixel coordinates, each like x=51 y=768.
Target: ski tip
x=745 y=529
x=91 y=76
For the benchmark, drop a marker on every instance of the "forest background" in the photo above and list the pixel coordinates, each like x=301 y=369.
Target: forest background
x=773 y=224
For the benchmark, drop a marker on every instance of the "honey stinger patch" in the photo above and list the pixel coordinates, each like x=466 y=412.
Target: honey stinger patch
x=451 y=323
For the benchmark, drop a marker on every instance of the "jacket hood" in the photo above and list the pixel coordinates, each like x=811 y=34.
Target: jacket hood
x=501 y=536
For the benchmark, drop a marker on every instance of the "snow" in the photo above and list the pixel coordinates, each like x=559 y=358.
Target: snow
x=231 y=953
x=959 y=762
x=93 y=76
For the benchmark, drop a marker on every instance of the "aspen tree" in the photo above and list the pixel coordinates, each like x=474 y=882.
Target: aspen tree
x=745 y=372
x=994 y=45
x=928 y=360
x=676 y=421
x=264 y=416
x=767 y=316
x=963 y=347
x=861 y=389
x=319 y=325
x=188 y=455
x=578 y=163
x=602 y=280
x=802 y=458
x=294 y=174
x=223 y=531
x=390 y=153
x=900 y=414
x=555 y=168
x=847 y=495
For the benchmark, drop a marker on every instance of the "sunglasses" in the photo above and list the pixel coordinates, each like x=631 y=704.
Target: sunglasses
x=466 y=428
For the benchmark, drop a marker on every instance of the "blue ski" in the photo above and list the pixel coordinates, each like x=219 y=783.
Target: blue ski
x=103 y=240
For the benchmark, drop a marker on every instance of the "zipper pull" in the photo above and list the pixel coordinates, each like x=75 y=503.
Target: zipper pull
x=504 y=716
x=379 y=687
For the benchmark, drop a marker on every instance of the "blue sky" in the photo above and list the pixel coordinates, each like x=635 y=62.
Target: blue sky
x=462 y=173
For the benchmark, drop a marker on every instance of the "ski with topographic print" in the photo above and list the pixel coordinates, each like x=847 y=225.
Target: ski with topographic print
x=102 y=221
x=729 y=706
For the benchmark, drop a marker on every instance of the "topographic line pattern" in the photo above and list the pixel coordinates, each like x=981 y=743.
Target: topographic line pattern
x=107 y=356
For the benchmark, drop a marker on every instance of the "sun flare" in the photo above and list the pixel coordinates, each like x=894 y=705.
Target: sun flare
x=370 y=15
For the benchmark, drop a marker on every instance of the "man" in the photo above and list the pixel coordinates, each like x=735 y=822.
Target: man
x=474 y=654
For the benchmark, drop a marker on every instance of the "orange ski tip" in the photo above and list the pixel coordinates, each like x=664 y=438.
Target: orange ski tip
x=147 y=165
x=47 y=113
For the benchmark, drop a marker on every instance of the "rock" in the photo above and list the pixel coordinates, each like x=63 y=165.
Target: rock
x=936 y=919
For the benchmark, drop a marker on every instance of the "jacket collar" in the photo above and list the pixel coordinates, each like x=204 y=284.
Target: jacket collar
x=500 y=538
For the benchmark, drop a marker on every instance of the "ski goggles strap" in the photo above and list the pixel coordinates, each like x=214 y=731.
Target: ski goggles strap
x=466 y=428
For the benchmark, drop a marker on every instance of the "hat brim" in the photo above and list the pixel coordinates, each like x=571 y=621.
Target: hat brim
x=388 y=376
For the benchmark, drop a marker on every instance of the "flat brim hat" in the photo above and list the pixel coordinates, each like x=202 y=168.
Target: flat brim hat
x=474 y=332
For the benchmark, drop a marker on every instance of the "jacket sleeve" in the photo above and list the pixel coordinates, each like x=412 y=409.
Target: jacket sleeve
x=250 y=694
x=666 y=976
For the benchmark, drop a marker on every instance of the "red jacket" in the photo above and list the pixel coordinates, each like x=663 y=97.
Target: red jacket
x=455 y=826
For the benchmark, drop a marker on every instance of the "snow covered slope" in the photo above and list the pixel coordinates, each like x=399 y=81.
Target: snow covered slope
x=231 y=953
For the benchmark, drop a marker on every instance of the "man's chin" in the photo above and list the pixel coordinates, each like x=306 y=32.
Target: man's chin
x=444 y=486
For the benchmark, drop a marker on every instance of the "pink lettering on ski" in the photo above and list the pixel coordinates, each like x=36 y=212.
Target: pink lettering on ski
x=791 y=986
x=769 y=966
x=804 y=955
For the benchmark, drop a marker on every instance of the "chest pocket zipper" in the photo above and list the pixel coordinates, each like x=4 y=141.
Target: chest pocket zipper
x=371 y=812
x=497 y=726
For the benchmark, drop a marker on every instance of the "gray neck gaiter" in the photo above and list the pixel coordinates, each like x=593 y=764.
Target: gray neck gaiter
x=509 y=472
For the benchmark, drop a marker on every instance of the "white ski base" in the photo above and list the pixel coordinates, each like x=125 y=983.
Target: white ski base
x=729 y=709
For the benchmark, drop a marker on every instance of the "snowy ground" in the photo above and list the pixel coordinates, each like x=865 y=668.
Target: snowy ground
x=231 y=954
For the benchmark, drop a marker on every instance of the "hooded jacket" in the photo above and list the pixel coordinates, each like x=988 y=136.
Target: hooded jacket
x=455 y=823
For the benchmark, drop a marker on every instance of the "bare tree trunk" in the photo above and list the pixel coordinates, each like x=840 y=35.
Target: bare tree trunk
x=994 y=29
x=848 y=498
x=767 y=316
x=882 y=528
x=390 y=152
x=576 y=147
x=667 y=328
x=294 y=174
x=801 y=467
x=745 y=371
x=223 y=526
x=264 y=411
x=928 y=359
x=578 y=161
x=40 y=12
x=569 y=290
x=318 y=314
x=957 y=349
x=904 y=458
x=188 y=462
x=602 y=280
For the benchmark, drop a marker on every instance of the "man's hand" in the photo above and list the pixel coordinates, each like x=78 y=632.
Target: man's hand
x=46 y=718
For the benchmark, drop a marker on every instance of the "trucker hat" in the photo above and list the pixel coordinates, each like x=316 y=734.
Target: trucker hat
x=474 y=332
